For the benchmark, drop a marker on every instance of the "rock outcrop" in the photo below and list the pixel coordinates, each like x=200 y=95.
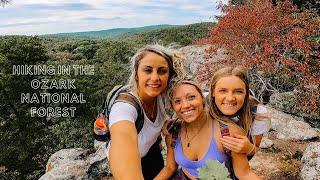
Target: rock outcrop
x=195 y=56
x=288 y=102
x=78 y=163
x=271 y=161
x=311 y=162
x=290 y=127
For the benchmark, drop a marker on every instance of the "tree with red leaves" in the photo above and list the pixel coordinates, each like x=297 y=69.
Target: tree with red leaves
x=271 y=41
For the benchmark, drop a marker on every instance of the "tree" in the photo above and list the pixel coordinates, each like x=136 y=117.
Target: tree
x=4 y=2
x=21 y=134
x=313 y=5
x=277 y=40
x=301 y=4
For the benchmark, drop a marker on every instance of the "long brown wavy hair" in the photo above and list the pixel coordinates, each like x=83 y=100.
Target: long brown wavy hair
x=244 y=114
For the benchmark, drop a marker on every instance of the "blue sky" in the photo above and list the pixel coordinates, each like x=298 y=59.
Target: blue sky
x=33 y=17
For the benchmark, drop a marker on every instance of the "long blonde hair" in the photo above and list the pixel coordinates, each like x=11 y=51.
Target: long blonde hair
x=174 y=59
x=245 y=116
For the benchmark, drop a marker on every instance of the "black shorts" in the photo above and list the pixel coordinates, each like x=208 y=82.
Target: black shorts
x=152 y=163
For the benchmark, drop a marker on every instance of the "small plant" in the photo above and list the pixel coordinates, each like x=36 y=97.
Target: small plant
x=214 y=170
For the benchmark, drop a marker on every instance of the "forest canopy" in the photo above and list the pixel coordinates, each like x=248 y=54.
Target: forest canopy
x=29 y=141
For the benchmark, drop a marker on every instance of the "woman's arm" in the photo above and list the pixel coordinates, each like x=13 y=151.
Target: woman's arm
x=239 y=160
x=171 y=165
x=241 y=167
x=124 y=156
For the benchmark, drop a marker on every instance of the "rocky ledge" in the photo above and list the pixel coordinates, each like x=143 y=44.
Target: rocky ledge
x=290 y=150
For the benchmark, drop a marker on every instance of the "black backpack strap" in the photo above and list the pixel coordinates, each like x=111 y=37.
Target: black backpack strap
x=129 y=98
x=103 y=109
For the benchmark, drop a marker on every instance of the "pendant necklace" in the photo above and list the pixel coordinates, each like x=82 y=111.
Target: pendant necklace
x=186 y=136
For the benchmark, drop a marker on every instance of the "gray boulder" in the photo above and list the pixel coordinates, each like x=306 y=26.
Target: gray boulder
x=289 y=102
x=290 y=127
x=266 y=143
x=78 y=163
x=311 y=162
x=195 y=56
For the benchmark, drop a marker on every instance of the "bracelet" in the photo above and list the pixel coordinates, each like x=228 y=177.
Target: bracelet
x=252 y=150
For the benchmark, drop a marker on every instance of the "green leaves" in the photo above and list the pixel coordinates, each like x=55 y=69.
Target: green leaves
x=214 y=170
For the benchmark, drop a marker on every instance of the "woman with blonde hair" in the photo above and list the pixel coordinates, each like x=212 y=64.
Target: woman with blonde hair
x=251 y=116
x=199 y=137
x=134 y=155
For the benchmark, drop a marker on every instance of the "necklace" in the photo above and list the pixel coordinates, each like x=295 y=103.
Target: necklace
x=186 y=136
x=147 y=110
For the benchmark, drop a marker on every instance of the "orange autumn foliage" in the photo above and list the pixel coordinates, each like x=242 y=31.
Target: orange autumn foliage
x=273 y=39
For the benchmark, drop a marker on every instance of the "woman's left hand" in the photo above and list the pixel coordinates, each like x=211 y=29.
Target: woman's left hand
x=237 y=144
x=164 y=129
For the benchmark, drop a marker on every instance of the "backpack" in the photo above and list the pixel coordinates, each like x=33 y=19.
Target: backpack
x=119 y=93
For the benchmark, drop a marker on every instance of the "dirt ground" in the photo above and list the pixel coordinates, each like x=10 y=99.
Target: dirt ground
x=282 y=161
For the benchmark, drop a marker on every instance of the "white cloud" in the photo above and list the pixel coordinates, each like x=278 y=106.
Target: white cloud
x=43 y=16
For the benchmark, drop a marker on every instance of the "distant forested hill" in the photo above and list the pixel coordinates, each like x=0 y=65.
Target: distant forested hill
x=182 y=35
x=110 y=33
x=164 y=34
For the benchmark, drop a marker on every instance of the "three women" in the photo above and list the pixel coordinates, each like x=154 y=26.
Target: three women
x=135 y=155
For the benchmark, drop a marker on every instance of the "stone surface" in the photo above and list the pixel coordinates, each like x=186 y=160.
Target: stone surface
x=78 y=164
x=286 y=102
x=290 y=127
x=266 y=143
x=195 y=56
x=289 y=102
x=311 y=162
x=264 y=164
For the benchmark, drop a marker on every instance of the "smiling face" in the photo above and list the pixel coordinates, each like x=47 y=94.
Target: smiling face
x=152 y=75
x=187 y=102
x=229 y=94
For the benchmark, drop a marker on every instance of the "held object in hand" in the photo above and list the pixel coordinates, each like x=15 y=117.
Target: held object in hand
x=224 y=129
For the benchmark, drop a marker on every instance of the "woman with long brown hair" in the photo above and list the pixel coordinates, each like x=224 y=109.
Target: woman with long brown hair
x=251 y=117
x=199 y=137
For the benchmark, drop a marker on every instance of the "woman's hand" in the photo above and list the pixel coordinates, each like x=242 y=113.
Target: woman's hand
x=171 y=164
x=237 y=144
x=169 y=141
x=164 y=129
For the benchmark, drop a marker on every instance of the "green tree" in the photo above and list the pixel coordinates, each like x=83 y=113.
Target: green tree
x=182 y=35
x=21 y=134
